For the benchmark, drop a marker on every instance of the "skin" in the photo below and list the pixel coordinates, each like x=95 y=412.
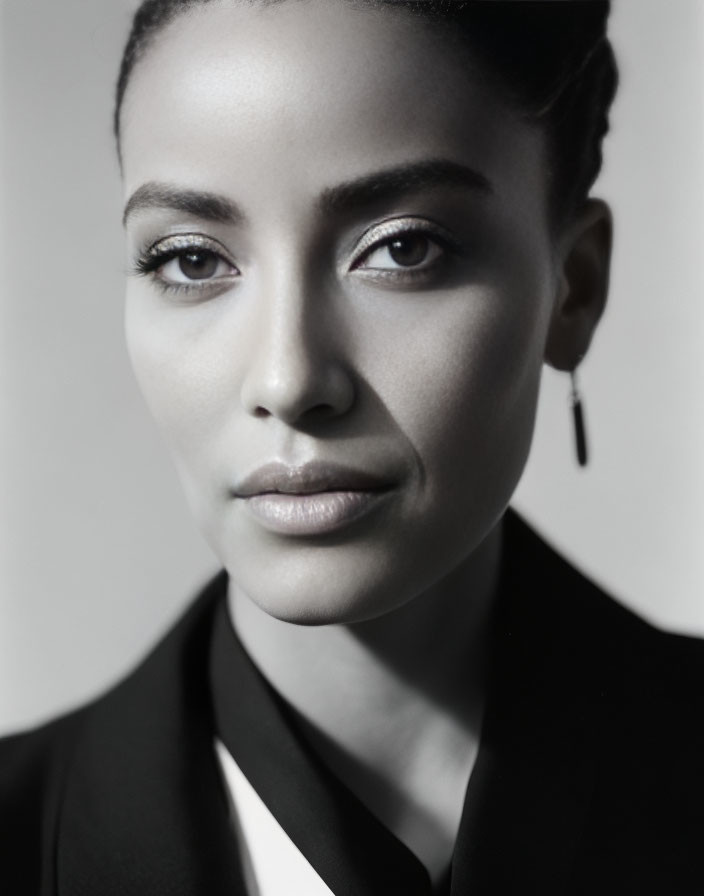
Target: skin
x=299 y=349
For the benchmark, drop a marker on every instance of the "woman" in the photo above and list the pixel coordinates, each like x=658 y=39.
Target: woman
x=357 y=231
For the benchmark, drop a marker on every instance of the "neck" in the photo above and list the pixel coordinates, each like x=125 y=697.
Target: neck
x=393 y=704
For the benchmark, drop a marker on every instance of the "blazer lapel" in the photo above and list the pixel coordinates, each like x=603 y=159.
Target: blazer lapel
x=526 y=805
x=144 y=809
x=535 y=775
x=346 y=844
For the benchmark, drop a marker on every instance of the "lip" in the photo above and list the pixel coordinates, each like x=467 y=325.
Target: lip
x=312 y=499
x=308 y=479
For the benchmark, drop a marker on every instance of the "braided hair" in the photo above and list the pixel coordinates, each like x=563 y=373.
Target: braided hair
x=551 y=61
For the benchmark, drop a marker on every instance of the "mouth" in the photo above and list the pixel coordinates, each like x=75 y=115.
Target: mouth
x=313 y=499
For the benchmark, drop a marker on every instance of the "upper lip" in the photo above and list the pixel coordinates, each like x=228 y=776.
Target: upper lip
x=308 y=479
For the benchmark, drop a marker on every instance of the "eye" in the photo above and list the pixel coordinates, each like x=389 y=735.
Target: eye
x=187 y=262
x=193 y=265
x=411 y=250
x=403 y=248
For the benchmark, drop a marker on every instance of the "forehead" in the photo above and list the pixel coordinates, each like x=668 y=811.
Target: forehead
x=307 y=93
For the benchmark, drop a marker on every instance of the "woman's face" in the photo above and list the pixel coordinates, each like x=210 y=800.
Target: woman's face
x=346 y=280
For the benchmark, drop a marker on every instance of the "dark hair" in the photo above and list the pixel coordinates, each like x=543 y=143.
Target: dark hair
x=551 y=60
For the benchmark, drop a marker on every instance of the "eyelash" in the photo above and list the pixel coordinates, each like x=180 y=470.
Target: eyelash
x=384 y=234
x=160 y=253
x=163 y=251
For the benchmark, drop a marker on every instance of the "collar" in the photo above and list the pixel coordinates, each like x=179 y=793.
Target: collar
x=534 y=775
x=144 y=811
x=344 y=842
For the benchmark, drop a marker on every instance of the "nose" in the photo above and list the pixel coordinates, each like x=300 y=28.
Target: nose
x=296 y=371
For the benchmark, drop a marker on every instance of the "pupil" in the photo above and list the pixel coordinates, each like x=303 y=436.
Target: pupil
x=409 y=250
x=198 y=265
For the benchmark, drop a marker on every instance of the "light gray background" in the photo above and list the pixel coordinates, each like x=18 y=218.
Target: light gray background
x=97 y=551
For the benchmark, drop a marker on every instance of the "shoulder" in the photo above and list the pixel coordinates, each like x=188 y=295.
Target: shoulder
x=647 y=683
x=636 y=692
x=31 y=768
x=35 y=764
x=617 y=699
x=642 y=658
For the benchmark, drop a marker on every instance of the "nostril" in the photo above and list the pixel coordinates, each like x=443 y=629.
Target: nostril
x=321 y=411
x=294 y=395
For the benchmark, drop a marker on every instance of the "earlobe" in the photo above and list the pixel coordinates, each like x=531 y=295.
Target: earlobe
x=585 y=257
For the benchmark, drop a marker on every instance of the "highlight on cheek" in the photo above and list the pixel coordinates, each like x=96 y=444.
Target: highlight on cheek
x=187 y=263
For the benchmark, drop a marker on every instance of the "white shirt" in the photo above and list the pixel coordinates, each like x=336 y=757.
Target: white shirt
x=272 y=864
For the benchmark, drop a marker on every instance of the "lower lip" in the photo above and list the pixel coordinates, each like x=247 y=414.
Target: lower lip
x=316 y=514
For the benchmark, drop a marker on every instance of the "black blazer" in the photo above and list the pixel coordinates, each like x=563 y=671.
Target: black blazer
x=589 y=780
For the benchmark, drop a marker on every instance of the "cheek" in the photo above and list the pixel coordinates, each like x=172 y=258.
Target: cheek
x=462 y=386
x=182 y=375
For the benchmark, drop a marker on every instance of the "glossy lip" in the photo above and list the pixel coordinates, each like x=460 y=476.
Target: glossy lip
x=312 y=499
x=308 y=479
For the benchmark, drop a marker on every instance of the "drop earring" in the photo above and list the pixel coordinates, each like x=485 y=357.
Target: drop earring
x=580 y=434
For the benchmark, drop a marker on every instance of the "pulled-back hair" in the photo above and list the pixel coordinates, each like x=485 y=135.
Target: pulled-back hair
x=550 y=59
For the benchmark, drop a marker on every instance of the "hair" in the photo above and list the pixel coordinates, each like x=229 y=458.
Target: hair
x=552 y=61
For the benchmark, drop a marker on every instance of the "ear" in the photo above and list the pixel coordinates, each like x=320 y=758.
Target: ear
x=584 y=258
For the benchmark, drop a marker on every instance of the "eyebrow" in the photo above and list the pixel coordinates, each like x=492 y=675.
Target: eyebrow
x=394 y=183
x=201 y=204
x=381 y=186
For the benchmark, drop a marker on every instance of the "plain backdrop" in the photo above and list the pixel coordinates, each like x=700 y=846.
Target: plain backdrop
x=97 y=550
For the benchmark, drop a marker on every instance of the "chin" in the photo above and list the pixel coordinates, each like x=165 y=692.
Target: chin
x=320 y=593
x=299 y=611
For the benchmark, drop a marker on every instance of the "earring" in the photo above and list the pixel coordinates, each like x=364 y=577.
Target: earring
x=580 y=434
